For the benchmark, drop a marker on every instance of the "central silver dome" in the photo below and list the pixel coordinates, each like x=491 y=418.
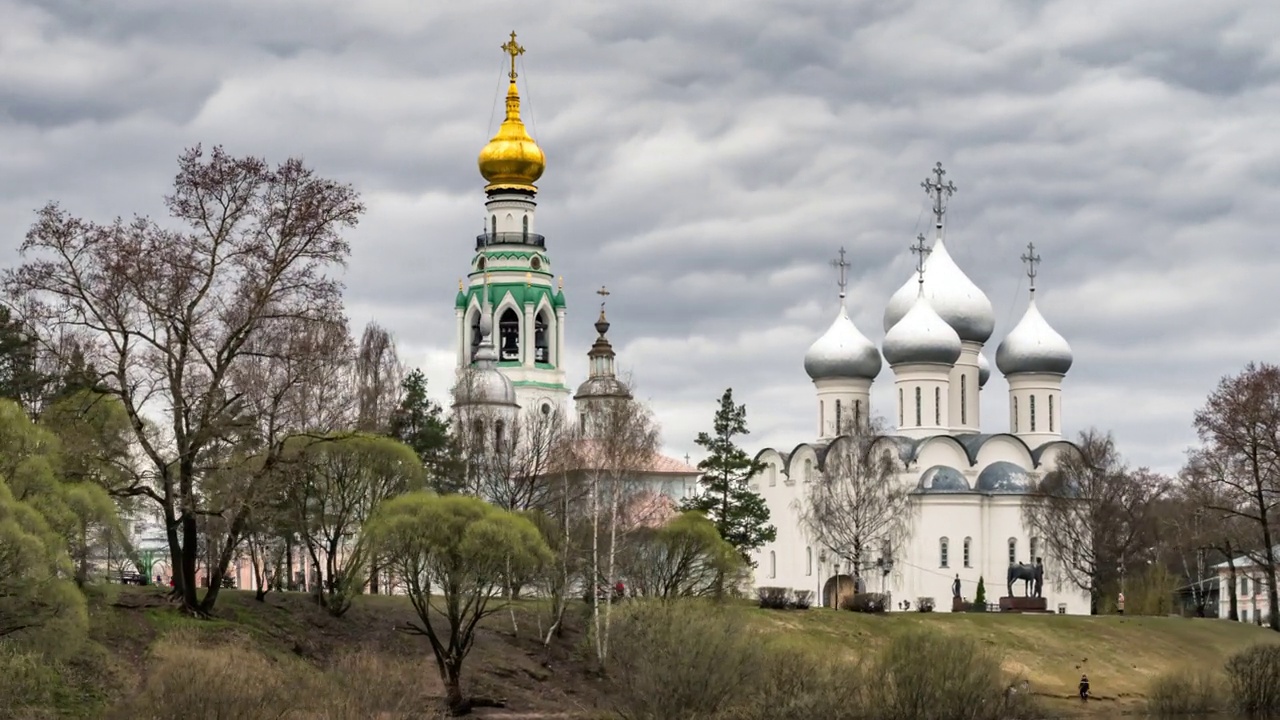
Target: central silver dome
x=921 y=336
x=953 y=295
x=842 y=352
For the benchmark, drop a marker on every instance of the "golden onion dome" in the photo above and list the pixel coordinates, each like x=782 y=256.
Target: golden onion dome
x=512 y=159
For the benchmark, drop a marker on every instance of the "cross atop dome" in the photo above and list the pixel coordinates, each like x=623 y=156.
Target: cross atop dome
x=921 y=251
x=1032 y=260
x=513 y=49
x=937 y=190
x=842 y=267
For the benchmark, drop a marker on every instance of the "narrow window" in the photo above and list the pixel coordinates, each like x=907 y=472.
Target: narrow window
x=839 y=408
x=857 y=413
x=808 y=558
x=968 y=544
x=1035 y=549
x=1033 y=413
x=808 y=470
x=1244 y=587
x=497 y=434
x=773 y=564
x=509 y=332
x=1013 y=550
x=964 y=399
x=525 y=231
x=541 y=341
x=773 y=475
x=1015 y=414
x=943 y=552
x=937 y=406
x=918 y=407
x=822 y=418
x=1050 y=413
x=900 y=407
x=493 y=227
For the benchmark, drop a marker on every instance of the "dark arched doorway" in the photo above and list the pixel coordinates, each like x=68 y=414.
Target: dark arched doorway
x=837 y=589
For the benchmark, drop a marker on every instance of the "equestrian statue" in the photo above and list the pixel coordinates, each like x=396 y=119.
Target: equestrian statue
x=1028 y=574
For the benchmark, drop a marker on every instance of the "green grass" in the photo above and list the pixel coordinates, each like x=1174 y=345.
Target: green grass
x=1121 y=655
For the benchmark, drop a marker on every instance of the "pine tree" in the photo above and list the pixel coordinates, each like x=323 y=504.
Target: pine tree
x=419 y=423
x=739 y=513
x=980 y=596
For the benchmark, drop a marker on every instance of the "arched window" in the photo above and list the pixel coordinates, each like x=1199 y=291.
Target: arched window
x=1050 y=413
x=497 y=434
x=968 y=552
x=525 y=231
x=919 y=422
x=937 y=406
x=477 y=427
x=509 y=332
x=839 y=408
x=808 y=470
x=773 y=564
x=1033 y=413
x=475 y=334
x=1013 y=550
x=857 y=413
x=773 y=475
x=964 y=399
x=1034 y=545
x=808 y=561
x=541 y=344
x=900 y=407
x=822 y=418
x=1015 y=414
x=944 y=552
x=493 y=226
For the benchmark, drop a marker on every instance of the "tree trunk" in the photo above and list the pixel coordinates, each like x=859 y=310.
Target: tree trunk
x=458 y=704
x=1234 y=612
x=373 y=580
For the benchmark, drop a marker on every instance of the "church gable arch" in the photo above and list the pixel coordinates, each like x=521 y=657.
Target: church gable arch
x=942 y=450
x=1003 y=447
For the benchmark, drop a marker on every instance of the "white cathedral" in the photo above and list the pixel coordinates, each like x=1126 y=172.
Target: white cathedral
x=967 y=486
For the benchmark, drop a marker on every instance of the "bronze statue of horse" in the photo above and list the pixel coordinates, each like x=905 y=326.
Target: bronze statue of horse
x=1028 y=574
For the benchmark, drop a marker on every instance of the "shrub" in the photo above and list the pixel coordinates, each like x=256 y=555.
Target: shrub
x=801 y=684
x=924 y=604
x=936 y=677
x=365 y=684
x=678 y=660
x=1253 y=676
x=1184 y=692
x=866 y=603
x=803 y=599
x=774 y=598
x=26 y=680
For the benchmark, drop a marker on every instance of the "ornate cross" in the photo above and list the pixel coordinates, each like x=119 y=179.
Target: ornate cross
x=937 y=190
x=922 y=251
x=603 y=292
x=1032 y=260
x=842 y=267
x=513 y=49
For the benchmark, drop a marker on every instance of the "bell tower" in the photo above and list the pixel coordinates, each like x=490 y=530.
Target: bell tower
x=528 y=305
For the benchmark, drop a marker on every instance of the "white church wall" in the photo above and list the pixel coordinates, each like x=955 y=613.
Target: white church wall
x=943 y=515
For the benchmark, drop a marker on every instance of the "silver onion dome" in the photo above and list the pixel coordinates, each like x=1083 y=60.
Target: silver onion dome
x=921 y=336
x=1032 y=346
x=984 y=370
x=953 y=295
x=842 y=352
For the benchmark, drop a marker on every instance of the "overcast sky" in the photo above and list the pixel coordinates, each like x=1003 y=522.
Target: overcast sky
x=706 y=160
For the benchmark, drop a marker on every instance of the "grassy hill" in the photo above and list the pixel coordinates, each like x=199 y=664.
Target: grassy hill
x=366 y=654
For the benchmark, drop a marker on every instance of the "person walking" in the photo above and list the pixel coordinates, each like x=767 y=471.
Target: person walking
x=1120 y=603
x=1084 y=688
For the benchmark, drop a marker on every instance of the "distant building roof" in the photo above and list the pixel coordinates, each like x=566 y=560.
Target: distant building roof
x=588 y=455
x=1245 y=560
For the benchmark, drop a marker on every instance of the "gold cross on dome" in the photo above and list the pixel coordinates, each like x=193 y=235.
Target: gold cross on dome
x=513 y=49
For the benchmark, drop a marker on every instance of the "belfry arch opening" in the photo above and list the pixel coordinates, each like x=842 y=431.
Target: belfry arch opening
x=509 y=334
x=541 y=341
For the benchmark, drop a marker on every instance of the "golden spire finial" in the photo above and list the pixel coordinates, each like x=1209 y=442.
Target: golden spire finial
x=459 y=284
x=561 y=282
x=513 y=49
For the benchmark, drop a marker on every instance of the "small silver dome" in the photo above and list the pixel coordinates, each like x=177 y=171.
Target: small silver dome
x=921 y=336
x=984 y=370
x=842 y=352
x=484 y=385
x=1032 y=346
x=941 y=478
x=1004 y=477
x=954 y=297
x=607 y=387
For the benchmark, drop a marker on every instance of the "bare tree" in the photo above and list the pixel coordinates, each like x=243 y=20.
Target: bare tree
x=1204 y=533
x=1240 y=428
x=1095 y=516
x=169 y=315
x=857 y=505
x=379 y=374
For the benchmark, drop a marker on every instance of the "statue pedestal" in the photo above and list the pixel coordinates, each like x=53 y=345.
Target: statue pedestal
x=1023 y=604
x=958 y=605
